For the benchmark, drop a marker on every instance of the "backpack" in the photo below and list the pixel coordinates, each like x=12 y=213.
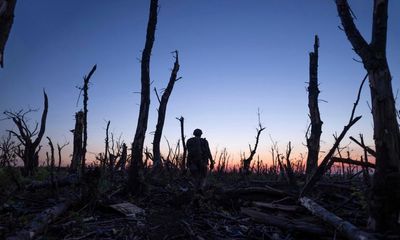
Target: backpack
x=195 y=148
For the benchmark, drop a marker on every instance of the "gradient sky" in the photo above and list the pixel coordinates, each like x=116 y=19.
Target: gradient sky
x=236 y=56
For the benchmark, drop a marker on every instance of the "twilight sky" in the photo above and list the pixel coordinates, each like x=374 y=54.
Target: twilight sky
x=236 y=56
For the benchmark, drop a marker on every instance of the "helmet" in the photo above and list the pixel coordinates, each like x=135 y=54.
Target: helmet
x=197 y=132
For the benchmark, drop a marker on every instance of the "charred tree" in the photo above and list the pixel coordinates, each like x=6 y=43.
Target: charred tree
x=106 y=148
x=7 y=8
x=313 y=140
x=85 y=111
x=182 y=124
x=137 y=146
x=59 y=148
x=78 y=142
x=247 y=161
x=162 y=111
x=384 y=203
x=122 y=160
x=31 y=148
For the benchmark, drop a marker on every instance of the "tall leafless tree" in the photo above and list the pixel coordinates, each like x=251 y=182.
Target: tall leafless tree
x=162 y=111
x=384 y=203
x=85 y=89
x=137 y=146
x=25 y=135
x=313 y=140
x=7 y=8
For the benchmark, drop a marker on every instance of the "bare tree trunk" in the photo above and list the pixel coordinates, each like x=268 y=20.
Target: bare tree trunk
x=59 y=154
x=313 y=140
x=7 y=8
x=162 y=111
x=78 y=145
x=384 y=203
x=85 y=111
x=52 y=163
x=104 y=163
x=183 y=163
x=122 y=160
x=137 y=146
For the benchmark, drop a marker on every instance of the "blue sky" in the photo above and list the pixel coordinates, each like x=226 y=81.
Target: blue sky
x=236 y=56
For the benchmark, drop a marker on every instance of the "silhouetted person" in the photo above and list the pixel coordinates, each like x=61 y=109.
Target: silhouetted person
x=199 y=155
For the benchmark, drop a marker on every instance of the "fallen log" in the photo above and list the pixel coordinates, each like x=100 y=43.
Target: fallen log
x=41 y=221
x=62 y=182
x=353 y=162
x=284 y=223
x=274 y=206
x=344 y=227
x=267 y=190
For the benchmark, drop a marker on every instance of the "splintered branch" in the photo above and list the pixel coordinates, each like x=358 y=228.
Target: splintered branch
x=368 y=149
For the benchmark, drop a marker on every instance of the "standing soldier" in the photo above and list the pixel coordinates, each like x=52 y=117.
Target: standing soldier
x=197 y=160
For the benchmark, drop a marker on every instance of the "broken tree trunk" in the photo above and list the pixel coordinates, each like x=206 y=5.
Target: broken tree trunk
x=106 y=148
x=41 y=221
x=78 y=144
x=7 y=8
x=384 y=203
x=183 y=162
x=346 y=228
x=313 y=140
x=85 y=112
x=162 y=111
x=135 y=170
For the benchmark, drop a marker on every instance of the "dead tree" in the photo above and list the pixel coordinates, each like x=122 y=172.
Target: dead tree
x=122 y=160
x=30 y=151
x=7 y=8
x=313 y=140
x=137 y=146
x=162 y=111
x=76 y=160
x=52 y=162
x=85 y=111
x=384 y=203
x=59 y=148
x=247 y=161
x=106 y=148
x=327 y=162
x=7 y=151
x=288 y=167
x=183 y=139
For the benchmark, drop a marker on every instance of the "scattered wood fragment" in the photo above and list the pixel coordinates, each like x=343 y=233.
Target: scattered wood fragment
x=128 y=209
x=346 y=228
